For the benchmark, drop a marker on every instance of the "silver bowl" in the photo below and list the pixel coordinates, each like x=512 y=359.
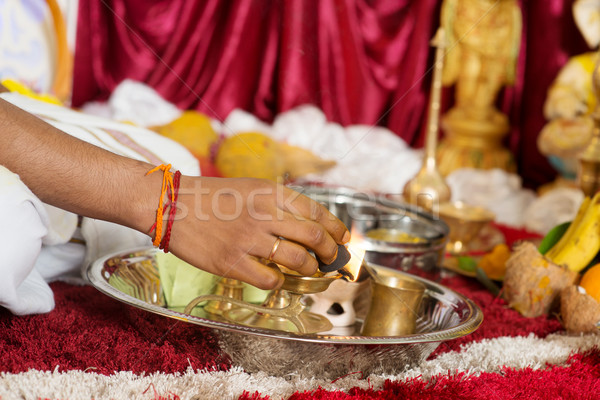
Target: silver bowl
x=444 y=315
x=364 y=212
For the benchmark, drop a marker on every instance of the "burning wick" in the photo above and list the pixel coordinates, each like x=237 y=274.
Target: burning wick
x=348 y=261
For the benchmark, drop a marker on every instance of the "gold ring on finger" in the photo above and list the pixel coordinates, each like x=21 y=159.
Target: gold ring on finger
x=274 y=249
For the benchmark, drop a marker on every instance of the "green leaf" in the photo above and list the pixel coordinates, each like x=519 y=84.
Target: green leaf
x=553 y=236
x=467 y=263
x=486 y=281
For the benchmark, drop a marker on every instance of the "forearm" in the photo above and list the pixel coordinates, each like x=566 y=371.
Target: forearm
x=224 y=226
x=74 y=175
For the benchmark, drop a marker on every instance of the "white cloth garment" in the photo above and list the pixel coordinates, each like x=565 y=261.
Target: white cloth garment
x=25 y=224
x=34 y=243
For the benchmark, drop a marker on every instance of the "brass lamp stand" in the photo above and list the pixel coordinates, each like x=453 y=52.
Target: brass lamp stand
x=428 y=188
x=282 y=310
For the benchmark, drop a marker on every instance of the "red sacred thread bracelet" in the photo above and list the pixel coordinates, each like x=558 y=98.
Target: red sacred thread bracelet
x=167 y=181
x=164 y=244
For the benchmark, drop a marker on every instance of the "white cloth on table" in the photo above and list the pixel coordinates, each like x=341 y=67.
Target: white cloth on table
x=552 y=208
x=368 y=158
x=495 y=189
x=34 y=243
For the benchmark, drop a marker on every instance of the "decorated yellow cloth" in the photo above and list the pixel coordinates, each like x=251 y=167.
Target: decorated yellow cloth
x=15 y=86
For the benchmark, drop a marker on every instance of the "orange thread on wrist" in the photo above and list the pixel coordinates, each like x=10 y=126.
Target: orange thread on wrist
x=164 y=244
x=166 y=183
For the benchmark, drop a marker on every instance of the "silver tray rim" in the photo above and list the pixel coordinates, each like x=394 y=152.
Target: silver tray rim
x=469 y=322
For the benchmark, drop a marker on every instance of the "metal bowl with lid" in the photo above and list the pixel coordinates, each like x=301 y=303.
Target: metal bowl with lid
x=395 y=235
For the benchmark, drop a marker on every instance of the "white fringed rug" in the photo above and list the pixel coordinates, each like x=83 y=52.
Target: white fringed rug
x=489 y=355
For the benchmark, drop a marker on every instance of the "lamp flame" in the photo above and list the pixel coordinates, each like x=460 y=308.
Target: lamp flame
x=357 y=251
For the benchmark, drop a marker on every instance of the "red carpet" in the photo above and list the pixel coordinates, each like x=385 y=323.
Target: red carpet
x=91 y=332
x=578 y=381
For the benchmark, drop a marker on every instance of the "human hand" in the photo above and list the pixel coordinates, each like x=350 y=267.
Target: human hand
x=224 y=226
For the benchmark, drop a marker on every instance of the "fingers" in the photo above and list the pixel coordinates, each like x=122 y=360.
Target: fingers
x=294 y=256
x=251 y=271
x=308 y=233
x=300 y=205
x=267 y=212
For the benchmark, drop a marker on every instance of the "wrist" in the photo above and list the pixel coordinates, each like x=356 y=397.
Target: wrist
x=154 y=210
x=143 y=194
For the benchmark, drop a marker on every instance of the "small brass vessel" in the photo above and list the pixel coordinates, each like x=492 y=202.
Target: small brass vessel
x=465 y=222
x=395 y=305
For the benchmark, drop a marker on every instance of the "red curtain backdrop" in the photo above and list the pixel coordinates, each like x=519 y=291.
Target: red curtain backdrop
x=360 y=61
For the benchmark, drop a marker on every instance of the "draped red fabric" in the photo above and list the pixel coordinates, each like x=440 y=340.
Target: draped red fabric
x=360 y=61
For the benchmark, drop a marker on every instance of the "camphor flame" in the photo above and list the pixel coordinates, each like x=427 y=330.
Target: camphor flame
x=357 y=251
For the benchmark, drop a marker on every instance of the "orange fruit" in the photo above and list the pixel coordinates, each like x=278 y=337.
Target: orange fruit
x=193 y=130
x=494 y=262
x=250 y=154
x=590 y=281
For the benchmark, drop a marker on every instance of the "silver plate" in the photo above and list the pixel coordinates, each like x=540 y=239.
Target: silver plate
x=445 y=315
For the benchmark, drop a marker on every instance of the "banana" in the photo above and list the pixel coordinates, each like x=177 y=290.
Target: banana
x=582 y=244
x=567 y=237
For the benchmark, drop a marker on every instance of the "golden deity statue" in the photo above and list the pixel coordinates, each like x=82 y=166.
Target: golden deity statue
x=483 y=40
x=571 y=106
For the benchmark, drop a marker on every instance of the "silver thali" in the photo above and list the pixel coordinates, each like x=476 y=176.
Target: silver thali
x=445 y=315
